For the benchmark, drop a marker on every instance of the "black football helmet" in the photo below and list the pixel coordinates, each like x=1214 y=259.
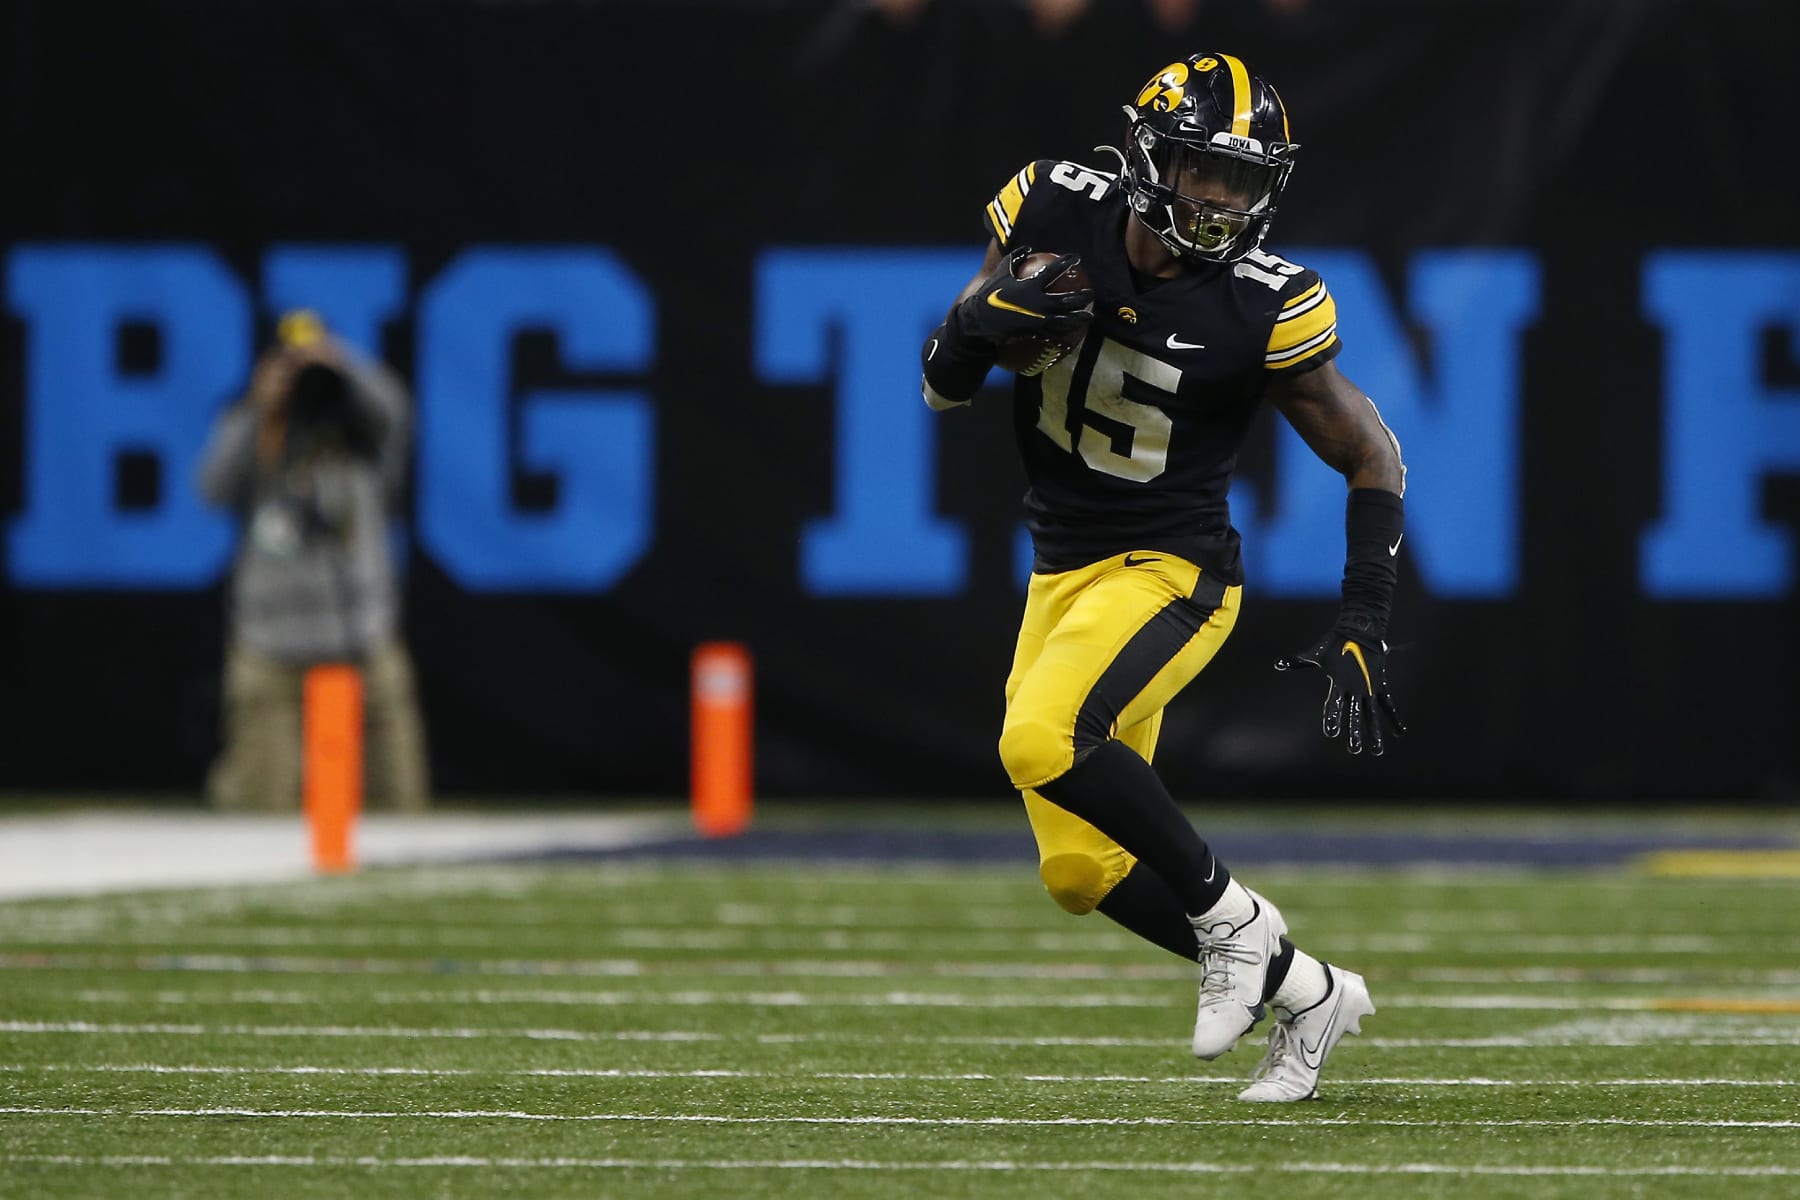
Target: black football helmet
x=1206 y=156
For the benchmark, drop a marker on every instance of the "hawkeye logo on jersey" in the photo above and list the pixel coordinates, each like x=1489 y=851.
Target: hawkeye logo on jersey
x=1128 y=315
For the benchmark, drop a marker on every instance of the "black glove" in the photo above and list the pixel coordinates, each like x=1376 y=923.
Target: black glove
x=1356 y=695
x=1007 y=307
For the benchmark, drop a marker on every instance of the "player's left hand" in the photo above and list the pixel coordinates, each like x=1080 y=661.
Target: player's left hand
x=1357 y=700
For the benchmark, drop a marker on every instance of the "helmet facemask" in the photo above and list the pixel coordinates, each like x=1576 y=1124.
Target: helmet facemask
x=1208 y=199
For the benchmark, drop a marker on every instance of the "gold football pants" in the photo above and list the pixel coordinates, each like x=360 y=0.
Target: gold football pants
x=1101 y=651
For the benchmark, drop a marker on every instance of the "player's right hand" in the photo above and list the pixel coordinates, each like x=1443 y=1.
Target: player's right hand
x=1008 y=307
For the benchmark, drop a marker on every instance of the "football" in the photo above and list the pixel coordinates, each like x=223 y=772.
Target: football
x=1034 y=355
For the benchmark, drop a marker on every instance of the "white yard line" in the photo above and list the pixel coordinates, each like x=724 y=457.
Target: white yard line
x=849 y=969
x=859 y=936
x=499 y=1114
x=1652 y=1037
x=649 y=999
x=853 y=1164
x=337 y=1031
x=895 y=999
x=1589 y=975
x=873 y=1076
x=1104 y=940
x=489 y=916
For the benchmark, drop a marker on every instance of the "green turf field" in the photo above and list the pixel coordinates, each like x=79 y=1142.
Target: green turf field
x=633 y=1029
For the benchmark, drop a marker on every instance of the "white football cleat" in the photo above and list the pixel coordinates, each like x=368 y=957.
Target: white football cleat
x=1300 y=1042
x=1239 y=937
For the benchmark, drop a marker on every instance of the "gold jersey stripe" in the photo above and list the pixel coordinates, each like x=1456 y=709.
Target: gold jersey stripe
x=1002 y=228
x=1304 y=326
x=1012 y=197
x=1240 y=95
x=1301 y=308
x=1302 y=352
x=1313 y=290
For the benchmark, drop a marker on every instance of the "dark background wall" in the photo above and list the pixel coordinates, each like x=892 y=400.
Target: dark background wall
x=691 y=140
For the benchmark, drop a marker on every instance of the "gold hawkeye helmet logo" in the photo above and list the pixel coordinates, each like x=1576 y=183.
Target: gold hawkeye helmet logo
x=1128 y=315
x=1165 y=89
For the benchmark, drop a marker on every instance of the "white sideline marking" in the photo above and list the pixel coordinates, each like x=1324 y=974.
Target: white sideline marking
x=854 y=1164
x=847 y=1164
x=1653 y=1038
x=933 y=1122
x=96 y=852
x=894 y=1076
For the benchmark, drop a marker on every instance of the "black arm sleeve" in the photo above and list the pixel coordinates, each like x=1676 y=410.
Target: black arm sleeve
x=1374 y=522
x=956 y=363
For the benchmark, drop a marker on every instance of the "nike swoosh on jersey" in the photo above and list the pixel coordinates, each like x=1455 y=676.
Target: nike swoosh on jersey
x=1175 y=343
x=1138 y=562
x=1395 y=548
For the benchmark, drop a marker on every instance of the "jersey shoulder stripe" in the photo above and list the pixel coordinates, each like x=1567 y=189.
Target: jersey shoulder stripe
x=1306 y=351
x=1305 y=326
x=1003 y=210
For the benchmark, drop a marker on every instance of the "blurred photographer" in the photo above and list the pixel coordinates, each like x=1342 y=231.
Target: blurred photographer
x=312 y=460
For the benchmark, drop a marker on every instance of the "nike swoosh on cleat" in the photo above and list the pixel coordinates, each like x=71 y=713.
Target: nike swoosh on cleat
x=1175 y=343
x=1313 y=1055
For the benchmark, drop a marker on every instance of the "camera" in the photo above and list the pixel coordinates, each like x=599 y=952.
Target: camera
x=319 y=395
x=319 y=410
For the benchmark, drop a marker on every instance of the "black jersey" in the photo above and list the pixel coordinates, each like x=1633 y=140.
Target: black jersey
x=1129 y=441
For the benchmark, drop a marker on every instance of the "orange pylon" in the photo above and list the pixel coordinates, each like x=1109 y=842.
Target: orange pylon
x=332 y=762
x=722 y=768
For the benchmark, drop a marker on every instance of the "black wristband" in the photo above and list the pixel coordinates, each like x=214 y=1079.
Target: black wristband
x=956 y=364
x=1374 y=523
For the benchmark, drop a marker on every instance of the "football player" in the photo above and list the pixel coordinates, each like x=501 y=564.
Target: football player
x=1129 y=439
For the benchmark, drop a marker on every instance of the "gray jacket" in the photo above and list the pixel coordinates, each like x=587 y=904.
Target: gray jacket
x=313 y=580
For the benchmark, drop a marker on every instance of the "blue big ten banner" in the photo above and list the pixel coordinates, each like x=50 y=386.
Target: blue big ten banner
x=669 y=393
